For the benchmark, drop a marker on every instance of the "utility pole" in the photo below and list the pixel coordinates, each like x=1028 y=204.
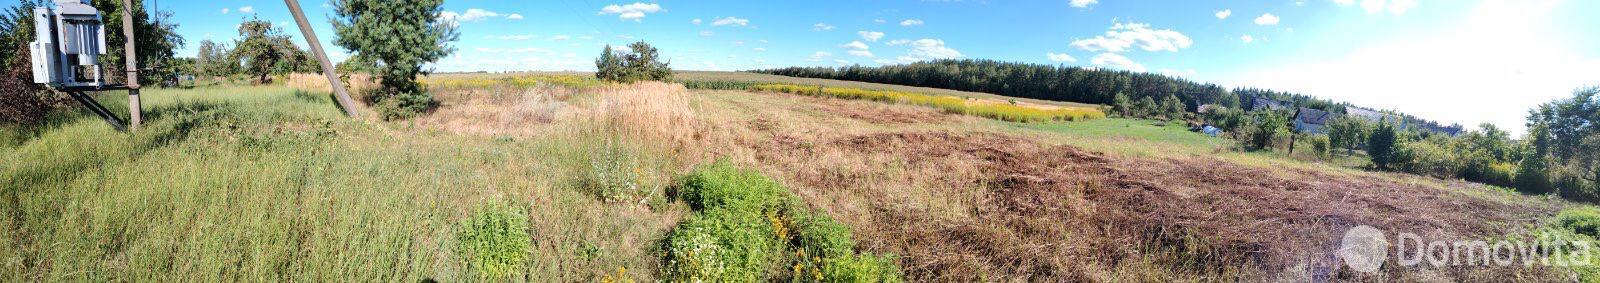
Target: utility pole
x=131 y=59
x=327 y=67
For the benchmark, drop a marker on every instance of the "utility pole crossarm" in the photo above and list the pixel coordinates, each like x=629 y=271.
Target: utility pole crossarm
x=327 y=66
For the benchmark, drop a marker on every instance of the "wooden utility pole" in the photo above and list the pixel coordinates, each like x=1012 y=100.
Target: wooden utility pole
x=131 y=59
x=327 y=66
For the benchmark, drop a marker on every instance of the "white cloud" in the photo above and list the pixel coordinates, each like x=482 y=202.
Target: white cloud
x=1113 y=60
x=696 y=21
x=1082 y=3
x=706 y=33
x=477 y=14
x=857 y=45
x=1122 y=36
x=1247 y=38
x=1267 y=19
x=247 y=10
x=473 y=15
x=841 y=62
x=911 y=22
x=899 y=42
x=871 y=36
x=860 y=53
x=817 y=57
x=879 y=21
x=1344 y=2
x=925 y=49
x=759 y=49
x=1502 y=58
x=733 y=21
x=560 y=38
x=1223 y=15
x=822 y=27
x=1060 y=57
x=224 y=10
x=635 y=11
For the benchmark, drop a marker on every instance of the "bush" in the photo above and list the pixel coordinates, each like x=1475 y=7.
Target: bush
x=22 y=101
x=723 y=185
x=721 y=245
x=1584 y=221
x=404 y=106
x=495 y=241
x=861 y=268
x=1319 y=146
x=747 y=224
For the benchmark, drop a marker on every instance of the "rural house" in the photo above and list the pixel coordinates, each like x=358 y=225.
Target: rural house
x=1311 y=121
x=1268 y=104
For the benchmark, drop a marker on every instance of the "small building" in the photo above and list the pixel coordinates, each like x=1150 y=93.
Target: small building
x=1268 y=104
x=1311 y=121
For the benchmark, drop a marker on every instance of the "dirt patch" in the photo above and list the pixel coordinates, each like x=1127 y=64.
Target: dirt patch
x=989 y=207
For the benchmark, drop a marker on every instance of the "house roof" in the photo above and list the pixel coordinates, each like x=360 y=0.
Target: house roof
x=1313 y=116
x=1269 y=104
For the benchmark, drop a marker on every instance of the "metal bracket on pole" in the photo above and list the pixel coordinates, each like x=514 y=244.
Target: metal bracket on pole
x=88 y=102
x=327 y=66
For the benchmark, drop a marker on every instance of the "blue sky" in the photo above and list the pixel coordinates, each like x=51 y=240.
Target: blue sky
x=1458 y=61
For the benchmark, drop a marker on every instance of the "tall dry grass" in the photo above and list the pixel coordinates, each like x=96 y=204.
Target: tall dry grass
x=358 y=84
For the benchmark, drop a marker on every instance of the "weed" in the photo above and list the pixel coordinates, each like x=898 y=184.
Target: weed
x=748 y=225
x=495 y=241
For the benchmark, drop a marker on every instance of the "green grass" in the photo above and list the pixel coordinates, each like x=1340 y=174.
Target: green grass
x=266 y=184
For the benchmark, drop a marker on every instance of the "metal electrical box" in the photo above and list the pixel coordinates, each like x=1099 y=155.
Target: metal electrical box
x=68 y=41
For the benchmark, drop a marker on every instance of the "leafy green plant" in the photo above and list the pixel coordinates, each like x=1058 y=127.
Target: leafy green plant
x=495 y=241
x=747 y=225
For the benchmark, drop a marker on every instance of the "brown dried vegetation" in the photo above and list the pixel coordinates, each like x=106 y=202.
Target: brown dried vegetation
x=965 y=205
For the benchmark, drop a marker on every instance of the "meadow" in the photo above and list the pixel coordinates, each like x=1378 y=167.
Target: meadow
x=554 y=177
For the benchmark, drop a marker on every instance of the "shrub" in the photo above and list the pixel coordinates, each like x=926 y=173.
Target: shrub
x=400 y=106
x=613 y=173
x=861 y=268
x=721 y=245
x=1320 y=146
x=723 y=185
x=1584 y=221
x=495 y=241
x=747 y=224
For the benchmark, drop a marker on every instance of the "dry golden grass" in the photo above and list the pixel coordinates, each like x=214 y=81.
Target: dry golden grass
x=358 y=84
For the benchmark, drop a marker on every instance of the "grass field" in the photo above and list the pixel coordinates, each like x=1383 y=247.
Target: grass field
x=556 y=177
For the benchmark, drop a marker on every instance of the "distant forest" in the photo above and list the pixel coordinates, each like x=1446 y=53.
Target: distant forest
x=1061 y=83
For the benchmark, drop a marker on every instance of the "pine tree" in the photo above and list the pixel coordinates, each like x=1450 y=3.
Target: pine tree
x=398 y=37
